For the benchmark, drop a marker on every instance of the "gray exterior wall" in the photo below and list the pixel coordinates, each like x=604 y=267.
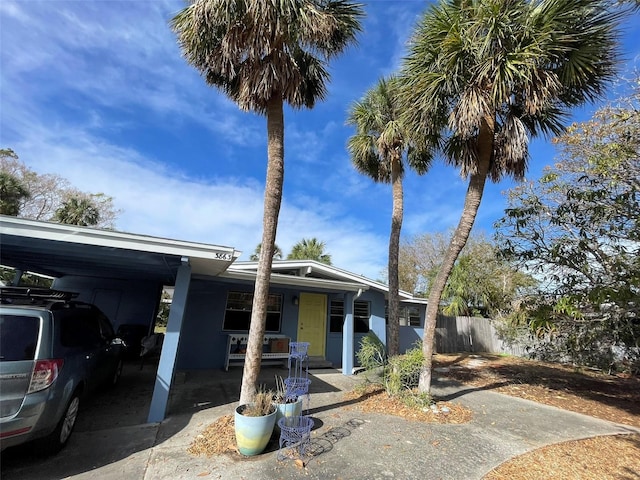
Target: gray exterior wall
x=203 y=341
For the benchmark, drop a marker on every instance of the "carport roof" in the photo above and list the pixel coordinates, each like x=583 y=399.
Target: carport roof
x=58 y=250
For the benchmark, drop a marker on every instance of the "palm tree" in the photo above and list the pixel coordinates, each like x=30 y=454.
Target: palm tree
x=261 y=54
x=482 y=76
x=12 y=192
x=309 y=249
x=78 y=211
x=277 y=253
x=377 y=150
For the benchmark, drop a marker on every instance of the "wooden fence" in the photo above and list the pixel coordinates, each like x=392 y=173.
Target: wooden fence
x=470 y=334
x=460 y=334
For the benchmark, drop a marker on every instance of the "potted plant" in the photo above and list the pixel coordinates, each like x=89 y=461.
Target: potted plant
x=287 y=404
x=254 y=423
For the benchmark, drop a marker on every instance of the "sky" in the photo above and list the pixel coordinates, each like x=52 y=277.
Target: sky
x=99 y=93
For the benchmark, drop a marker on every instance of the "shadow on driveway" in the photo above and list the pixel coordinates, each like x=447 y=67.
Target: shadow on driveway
x=111 y=428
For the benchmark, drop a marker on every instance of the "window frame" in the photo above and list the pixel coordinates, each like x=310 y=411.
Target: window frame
x=412 y=320
x=358 y=320
x=405 y=319
x=246 y=304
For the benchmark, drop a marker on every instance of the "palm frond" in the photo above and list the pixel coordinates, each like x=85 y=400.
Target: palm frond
x=518 y=65
x=253 y=50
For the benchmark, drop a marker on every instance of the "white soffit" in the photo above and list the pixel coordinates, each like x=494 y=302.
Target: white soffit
x=109 y=238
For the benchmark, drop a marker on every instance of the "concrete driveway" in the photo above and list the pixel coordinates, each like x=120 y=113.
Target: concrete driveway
x=111 y=441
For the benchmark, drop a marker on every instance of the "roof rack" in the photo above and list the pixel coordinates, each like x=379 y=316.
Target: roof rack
x=35 y=293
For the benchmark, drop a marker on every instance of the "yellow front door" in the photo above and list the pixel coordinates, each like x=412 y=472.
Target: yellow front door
x=312 y=322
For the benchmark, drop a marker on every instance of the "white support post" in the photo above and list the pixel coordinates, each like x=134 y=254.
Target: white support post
x=347 y=335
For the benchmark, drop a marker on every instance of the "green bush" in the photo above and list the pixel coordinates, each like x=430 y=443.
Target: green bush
x=399 y=375
x=414 y=399
x=372 y=352
x=403 y=371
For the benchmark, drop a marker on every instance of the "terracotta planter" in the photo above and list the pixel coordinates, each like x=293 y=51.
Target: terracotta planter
x=253 y=433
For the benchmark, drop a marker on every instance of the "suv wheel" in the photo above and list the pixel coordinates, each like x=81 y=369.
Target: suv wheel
x=115 y=378
x=57 y=439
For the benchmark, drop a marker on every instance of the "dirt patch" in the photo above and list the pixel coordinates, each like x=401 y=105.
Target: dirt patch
x=593 y=393
x=613 y=398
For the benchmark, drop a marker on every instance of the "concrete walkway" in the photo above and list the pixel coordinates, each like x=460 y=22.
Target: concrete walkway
x=348 y=444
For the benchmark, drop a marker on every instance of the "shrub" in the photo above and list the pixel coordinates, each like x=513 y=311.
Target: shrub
x=372 y=353
x=399 y=375
x=403 y=371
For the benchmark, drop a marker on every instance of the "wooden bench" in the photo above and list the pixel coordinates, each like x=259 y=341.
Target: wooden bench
x=274 y=347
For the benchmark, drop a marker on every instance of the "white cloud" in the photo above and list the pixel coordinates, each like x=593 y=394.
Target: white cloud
x=158 y=200
x=98 y=92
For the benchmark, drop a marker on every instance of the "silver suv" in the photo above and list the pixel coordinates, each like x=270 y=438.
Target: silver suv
x=53 y=351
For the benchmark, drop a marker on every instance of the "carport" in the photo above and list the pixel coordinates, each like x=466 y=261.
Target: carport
x=73 y=255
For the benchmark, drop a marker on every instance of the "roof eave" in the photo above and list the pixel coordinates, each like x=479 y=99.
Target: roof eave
x=291 y=280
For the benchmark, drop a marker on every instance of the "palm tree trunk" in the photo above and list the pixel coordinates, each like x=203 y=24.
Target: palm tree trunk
x=460 y=236
x=393 y=343
x=272 y=201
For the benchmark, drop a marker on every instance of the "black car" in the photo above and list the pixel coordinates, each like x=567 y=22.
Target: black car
x=132 y=335
x=53 y=352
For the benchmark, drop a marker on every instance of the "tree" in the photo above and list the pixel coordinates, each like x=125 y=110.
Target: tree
x=262 y=54
x=482 y=76
x=481 y=282
x=48 y=192
x=12 y=193
x=164 y=308
x=420 y=258
x=578 y=229
x=377 y=149
x=309 y=249
x=78 y=211
x=277 y=253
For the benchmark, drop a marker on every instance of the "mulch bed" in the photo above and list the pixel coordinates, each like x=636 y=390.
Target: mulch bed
x=609 y=397
x=217 y=438
x=375 y=399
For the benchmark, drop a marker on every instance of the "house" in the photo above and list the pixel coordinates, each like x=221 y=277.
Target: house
x=124 y=275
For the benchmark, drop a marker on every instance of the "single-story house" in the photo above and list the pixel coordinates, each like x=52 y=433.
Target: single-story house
x=124 y=274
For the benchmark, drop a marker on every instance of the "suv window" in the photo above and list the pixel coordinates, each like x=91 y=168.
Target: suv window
x=19 y=337
x=105 y=326
x=78 y=329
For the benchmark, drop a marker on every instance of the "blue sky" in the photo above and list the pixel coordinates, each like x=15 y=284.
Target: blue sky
x=98 y=92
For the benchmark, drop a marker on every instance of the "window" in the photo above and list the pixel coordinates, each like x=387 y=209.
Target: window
x=409 y=315
x=361 y=316
x=237 y=315
x=19 y=337
x=77 y=329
